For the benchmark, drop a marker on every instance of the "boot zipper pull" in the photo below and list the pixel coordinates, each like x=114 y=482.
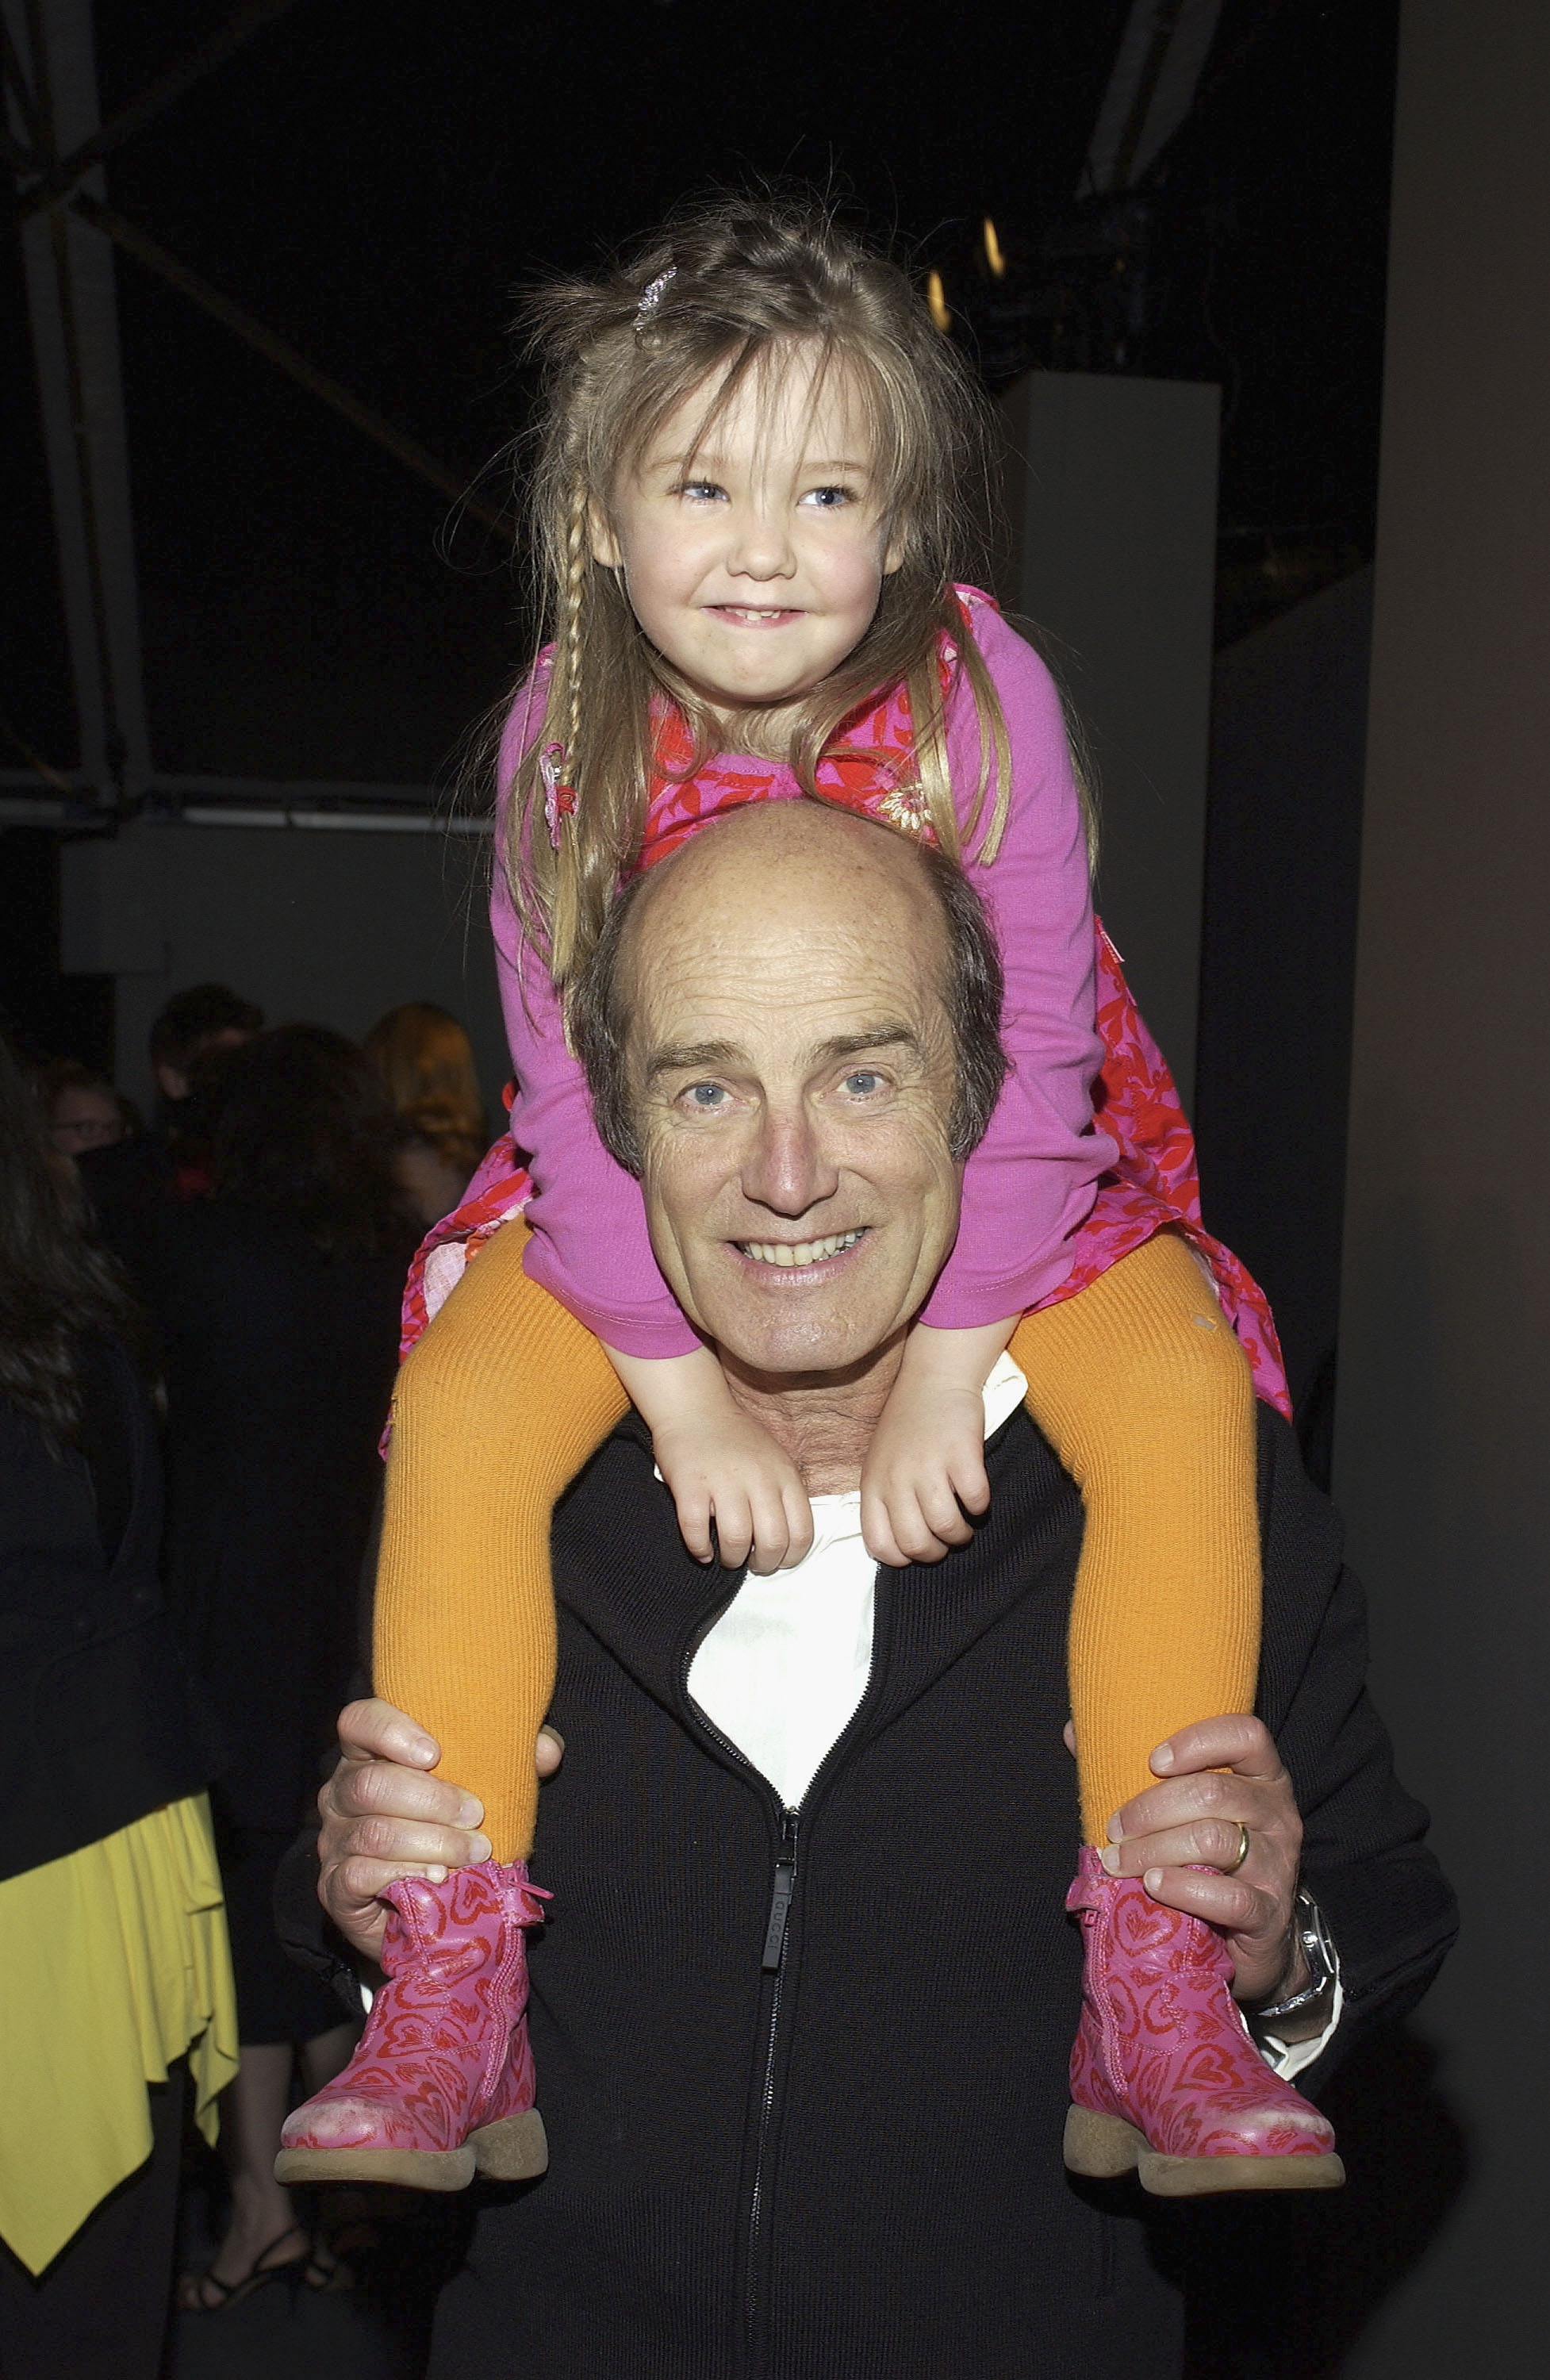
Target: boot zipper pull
x=779 y=1899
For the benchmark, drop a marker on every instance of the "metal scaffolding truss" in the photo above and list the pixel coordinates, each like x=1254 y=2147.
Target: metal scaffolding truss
x=57 y=145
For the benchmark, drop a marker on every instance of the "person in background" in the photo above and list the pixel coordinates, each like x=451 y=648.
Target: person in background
x=127 y=1184
x=206 y=1017
x=426 y=1061
x=276 y=1301
x=81 y=1109
x=117 y=1996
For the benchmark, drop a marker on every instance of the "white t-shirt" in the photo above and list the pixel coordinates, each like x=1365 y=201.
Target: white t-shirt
x=782 y=1671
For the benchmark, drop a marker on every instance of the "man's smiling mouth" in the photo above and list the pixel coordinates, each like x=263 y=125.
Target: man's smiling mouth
x=799 y=1252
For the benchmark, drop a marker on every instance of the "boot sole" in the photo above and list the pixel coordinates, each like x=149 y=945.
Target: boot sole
x=1103 y=2147
x=512 y=2150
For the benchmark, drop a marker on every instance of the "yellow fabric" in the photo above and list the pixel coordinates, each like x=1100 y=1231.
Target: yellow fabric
x=1146 y=1395
x=117 y=1963
x=497 y=1409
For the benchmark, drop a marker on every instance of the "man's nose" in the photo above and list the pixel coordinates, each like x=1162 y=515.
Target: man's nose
x=788 y=1168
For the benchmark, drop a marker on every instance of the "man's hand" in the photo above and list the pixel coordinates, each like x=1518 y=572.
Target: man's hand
x=1217 y=1774
x=384 y=1816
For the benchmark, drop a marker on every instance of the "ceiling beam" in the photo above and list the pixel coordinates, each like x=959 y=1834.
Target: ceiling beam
x=405 y=450
x=61 y=178
x=52 y=97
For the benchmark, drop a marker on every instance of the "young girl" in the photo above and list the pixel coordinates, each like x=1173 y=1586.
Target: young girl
x=747 y=501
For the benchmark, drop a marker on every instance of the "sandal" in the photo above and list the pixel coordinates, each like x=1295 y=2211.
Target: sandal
x=324 y=2271
x=192 y=2287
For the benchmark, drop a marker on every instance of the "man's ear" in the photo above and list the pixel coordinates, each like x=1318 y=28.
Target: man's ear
x=600 y=538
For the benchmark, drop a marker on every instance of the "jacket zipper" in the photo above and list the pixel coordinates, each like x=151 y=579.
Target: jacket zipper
x=771 y=1963
x=771 y=1959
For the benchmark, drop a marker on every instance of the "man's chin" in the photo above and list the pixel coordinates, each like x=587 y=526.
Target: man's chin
x=795 y=1330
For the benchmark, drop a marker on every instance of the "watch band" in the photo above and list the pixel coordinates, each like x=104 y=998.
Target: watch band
x=1324 y=1967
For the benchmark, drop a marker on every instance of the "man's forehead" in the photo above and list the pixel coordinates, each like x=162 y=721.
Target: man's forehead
x=807 y=993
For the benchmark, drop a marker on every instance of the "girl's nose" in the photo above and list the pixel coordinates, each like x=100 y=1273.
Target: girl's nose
x=761 y=546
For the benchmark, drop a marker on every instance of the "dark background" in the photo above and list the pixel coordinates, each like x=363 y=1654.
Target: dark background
x=375 y=181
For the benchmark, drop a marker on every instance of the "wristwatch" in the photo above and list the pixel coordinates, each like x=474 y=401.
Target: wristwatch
x=1324 y=1967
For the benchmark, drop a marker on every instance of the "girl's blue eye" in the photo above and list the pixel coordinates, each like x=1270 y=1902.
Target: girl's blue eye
x=830 y=500
x=700 y=488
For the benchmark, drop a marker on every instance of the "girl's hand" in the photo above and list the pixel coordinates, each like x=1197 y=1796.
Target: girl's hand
x=723 y=1468
x=927 y=1460
x=721 y=1465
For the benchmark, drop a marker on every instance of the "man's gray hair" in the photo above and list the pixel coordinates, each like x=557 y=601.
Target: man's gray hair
x=972 y=994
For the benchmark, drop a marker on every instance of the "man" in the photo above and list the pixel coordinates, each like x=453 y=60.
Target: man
x=802 y=2009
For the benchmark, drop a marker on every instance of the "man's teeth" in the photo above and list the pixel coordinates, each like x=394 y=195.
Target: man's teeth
x=798 y=1252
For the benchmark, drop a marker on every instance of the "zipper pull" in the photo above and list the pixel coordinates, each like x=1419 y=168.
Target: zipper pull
x=779 y=1899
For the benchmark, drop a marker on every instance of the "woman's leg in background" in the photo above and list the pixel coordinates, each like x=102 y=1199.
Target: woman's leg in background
x=253 y=2108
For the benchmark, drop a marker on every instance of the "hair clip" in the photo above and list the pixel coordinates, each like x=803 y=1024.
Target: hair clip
x=558 y=799
x=651 y=296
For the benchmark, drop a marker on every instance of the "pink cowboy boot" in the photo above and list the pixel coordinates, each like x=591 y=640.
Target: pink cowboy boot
x=1164 y=2075
x=441 y=2085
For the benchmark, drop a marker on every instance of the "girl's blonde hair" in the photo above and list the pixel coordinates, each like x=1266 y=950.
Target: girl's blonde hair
x=425 y=1061
x=715 y=301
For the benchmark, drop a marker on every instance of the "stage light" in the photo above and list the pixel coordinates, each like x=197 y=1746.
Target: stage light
x=993 y=256
x=935 y=302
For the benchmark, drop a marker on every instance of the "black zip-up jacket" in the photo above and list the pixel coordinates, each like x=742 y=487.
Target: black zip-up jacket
x=804 y=2077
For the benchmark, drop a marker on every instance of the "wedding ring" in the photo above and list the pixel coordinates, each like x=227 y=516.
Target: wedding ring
x=1242 y=1851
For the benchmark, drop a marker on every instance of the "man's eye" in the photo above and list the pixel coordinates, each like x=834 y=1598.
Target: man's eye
x=706 y=1097
x=863 y=1083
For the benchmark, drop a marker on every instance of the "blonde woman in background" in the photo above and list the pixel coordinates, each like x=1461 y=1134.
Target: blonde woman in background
x=426 y=1060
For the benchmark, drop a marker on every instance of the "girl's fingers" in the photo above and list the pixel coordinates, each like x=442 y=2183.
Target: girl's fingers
x=735 y=1530
x=877 y=1534
x=939 y=1512
x=694 y=1525
x=799 y=1522
x=969 y=1484
x=771 y=1532
x=913 y=1531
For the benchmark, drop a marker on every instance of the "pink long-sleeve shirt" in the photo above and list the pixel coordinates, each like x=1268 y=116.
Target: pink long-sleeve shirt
x=1029 y=1184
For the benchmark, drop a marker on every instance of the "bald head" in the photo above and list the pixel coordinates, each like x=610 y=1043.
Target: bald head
x=756 y=886
x=791 y=1033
